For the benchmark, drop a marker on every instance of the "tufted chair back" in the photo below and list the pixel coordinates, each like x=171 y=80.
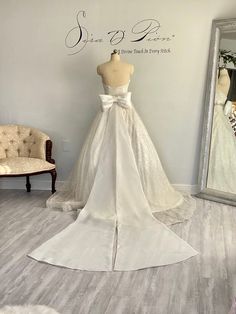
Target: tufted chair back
x=22 y=141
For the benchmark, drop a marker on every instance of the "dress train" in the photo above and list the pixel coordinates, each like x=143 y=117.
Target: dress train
x=116 y=229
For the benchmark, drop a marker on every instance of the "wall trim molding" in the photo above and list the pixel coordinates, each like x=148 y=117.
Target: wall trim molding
x=19 y=184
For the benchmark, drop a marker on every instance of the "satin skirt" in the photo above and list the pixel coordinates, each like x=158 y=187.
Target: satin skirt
x=167 y=204
x=116 y=229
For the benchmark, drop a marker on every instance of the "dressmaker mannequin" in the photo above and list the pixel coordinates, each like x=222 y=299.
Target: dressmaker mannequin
x=118 y=182
x=115 y=72
x=223 y=83
x=223 y=86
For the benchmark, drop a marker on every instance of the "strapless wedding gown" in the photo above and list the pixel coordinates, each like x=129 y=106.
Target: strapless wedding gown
x=119 y=183
x=222 y=161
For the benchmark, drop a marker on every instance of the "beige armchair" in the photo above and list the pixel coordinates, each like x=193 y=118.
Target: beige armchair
x=25 y=151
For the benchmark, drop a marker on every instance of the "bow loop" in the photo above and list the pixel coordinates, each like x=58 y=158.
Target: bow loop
x=123 y=101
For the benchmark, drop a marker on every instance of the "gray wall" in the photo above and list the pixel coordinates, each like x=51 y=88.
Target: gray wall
x=42 y=86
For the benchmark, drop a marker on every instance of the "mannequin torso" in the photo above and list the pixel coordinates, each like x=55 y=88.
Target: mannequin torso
x=223 y=83
x=115 y=73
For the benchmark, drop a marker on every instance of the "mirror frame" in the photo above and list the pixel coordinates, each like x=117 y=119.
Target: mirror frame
x=218 y=28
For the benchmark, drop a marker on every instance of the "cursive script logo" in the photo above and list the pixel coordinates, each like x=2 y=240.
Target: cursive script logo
x=117 y=36
x=77 y=36
x=145 y=30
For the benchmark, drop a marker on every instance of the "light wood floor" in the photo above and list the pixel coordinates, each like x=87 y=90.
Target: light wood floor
x=201 y=285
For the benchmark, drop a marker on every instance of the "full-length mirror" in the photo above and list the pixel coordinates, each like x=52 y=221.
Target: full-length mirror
x=217 y=176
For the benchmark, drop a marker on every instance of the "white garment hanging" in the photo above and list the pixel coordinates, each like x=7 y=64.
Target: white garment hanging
x=222 y=160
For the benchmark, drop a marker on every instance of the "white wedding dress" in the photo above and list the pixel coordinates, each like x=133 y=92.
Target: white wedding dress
x=222 y=161
x=119 y=183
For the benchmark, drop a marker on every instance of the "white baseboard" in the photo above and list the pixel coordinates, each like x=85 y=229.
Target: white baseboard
x=19 y=184
x=187 y=189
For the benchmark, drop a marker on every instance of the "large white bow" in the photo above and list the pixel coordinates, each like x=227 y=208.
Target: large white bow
x=123 y=100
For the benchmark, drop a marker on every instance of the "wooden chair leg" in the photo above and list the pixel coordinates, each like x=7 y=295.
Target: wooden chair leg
x=28 y=185
x=54 y=176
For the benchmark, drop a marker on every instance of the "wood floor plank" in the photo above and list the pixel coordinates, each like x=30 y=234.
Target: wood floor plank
x=204 y=284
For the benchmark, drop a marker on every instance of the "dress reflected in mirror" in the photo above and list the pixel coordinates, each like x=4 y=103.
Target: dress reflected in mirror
x=222 y=160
